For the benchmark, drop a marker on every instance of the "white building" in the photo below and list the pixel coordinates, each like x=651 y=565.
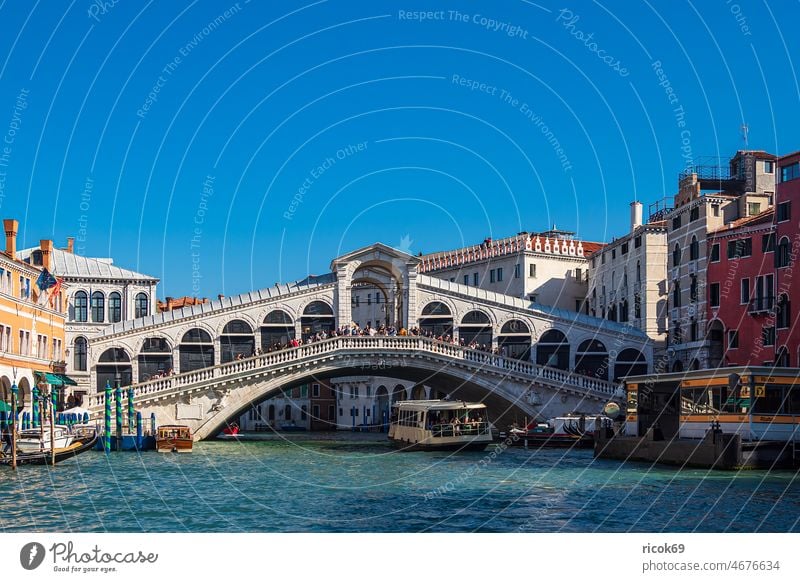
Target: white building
x=748 y=188
x=364 y=402
x=550 y=268
x=100 y=294
x=291 y=409
x=628 y=279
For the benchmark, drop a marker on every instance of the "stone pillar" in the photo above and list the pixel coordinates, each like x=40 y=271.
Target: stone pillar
x=409 y=297
x=342 y=297
x=176 y=359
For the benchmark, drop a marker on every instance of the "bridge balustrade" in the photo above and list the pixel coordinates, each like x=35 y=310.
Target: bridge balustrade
x=380 y=344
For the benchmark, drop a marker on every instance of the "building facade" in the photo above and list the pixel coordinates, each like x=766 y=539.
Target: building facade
x=550 y=268
x=787 y=251
x=745 y=188
x=100 y=294
x=628 y=279
x=32 y=324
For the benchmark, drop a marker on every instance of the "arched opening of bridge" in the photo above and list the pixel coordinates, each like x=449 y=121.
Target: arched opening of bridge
x=552 y=350
x=475 y=330
x=630 y=362
x=317 y=318
x=591 y=359
x=155 y=359
x=382 y=407
x=514 y=340
x=237 y=341
x=196 y=350
x=277 y=330
x=436 y=320
x=113 y=366
x=376 y=295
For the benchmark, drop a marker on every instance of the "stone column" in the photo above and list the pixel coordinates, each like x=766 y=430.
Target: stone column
x=409 y=297
x=342 y=297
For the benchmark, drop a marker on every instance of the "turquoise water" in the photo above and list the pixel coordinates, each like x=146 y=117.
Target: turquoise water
x=357 y=483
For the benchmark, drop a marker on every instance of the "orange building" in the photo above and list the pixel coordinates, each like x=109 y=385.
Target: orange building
x=31 y=324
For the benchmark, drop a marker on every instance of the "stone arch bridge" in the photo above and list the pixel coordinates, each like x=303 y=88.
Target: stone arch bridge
x=205 y=364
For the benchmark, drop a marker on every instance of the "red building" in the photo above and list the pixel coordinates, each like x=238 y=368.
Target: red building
x=741 y=292
x=787 y=236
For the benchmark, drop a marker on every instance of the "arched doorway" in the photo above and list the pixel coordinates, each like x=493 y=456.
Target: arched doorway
x=382 y=407
x=677 y=366
x=591 y=359
x=5 y=389
x=630 y=362
x=155 y=358
x=277 y=330
x=24 y=395
x=196 y=350
x=237 y=341
x=514 y=340
x=399 y=393
x=113 y=368
x=317 y=318
x=436 y=320
x=694 y=364
x=475 y=330
x=418 y=392
x=376 y=294
x=716 y=347
x=552 y=350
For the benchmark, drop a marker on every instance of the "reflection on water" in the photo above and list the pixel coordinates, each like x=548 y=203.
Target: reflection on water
x=357 y=482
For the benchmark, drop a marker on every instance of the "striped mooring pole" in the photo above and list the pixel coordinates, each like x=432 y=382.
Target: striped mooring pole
x=118 y=395
x=107 y=419
x=131 y=411
x=35 y=398
x=139 y=430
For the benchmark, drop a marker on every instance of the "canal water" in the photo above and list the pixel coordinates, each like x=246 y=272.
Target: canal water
x=356 y=483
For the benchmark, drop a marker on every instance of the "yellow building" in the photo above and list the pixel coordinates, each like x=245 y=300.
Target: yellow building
x=31 y=323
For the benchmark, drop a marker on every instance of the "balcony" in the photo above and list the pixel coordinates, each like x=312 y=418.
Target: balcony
x=761 y=305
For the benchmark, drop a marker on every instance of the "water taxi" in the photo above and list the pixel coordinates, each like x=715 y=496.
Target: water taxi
x=440 y=425
x=174 y=438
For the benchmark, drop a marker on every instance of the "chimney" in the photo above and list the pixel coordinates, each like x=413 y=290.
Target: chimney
x=46 y=246
x=220 y=297
x=11 y=227
x=636 y=215
x=71 y=245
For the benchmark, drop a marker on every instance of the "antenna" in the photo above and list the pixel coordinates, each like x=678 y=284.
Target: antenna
x=745 y=130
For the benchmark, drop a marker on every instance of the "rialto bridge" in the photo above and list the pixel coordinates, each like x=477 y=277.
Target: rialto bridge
x=206 y=364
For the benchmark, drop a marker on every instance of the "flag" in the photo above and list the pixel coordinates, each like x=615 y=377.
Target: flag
x=45 y=280
x=54 y=293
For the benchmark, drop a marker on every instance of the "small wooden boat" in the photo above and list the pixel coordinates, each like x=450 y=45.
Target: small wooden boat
x=79 y=443
x=174 y=438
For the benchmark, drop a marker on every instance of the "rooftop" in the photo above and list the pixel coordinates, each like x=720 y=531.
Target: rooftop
x=67 y=264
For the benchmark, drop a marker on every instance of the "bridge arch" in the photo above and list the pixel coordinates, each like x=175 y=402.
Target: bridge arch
x=592 y=359
x=114 y=365
x=277 y=327
x=630 y=362
x=318 y=316
x=436 y=318
x=553 y=349
x=196 y=349
x=154 y=357
x=514 y=339
x=476 y=327
x=237 y=340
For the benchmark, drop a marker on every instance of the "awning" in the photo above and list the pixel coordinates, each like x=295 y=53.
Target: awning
x=57 y=379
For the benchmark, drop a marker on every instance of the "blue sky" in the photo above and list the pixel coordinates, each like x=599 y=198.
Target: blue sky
x=227 y=146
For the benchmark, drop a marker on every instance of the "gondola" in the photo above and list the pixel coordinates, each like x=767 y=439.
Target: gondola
x=78 y=446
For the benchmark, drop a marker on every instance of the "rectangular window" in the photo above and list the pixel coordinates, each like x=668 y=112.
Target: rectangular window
x=715 y=253
x=499 y=274
x=637 y=242
x=740 y=248
x=579 y=274
x=769 y=166
x=475 y=279
x=676 y=222
x=790 y=172
x=745 y=291
x=753 y=208
x=733 y=339
x=315 y=392
x=315 y=412
x=715 y=210
x=768 y=243
x=694 y=214
x=713 y=294
x=532 y=270
x=768 y=336
x=517 y=271
x=603 y=259
x=693 y=331
x=784 y=211
x=491 y=276
x=466 y=279
x=613 y=254
x=624 y=248
x=578 y=305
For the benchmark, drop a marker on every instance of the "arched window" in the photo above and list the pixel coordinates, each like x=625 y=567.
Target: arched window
x=591 y=359
x=317 y=318
x=629 y=362
x=783 y=254
x=782 y=358
x=676 y=255
x=155 y=358
x=553 y=350
x=79 y=354
x=436 y=319
x=196 y=350
x=476 y=328
x=98 y=307
x=277 y=330
x=783 y=314
x=113 y=368
x=638 y=271
x=676 y=294
x=114 y=307
x=81 y=306
x=694 y=249
x=142 y=305
x=237 y=341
